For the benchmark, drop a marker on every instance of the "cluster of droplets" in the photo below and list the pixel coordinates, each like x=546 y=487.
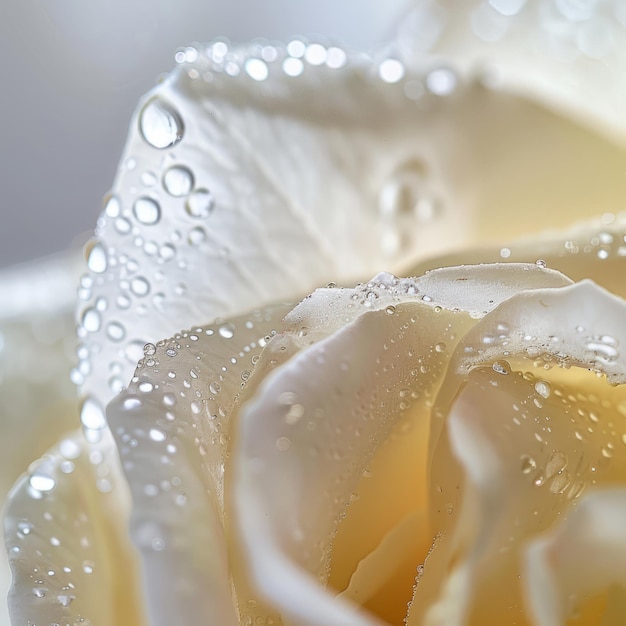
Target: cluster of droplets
x=594 y=431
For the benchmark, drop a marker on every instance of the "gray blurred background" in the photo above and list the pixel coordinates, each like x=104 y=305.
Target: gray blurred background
x=73 y=70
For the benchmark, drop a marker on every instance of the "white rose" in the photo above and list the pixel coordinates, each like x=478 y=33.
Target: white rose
x=302 y=470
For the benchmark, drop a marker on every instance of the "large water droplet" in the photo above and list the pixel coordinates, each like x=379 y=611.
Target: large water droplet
x=140 y=286
x=147 y=211
x=200 y=203
x=160 y=124
x=178 y=181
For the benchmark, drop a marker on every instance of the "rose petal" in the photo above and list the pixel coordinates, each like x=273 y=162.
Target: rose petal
x=37 y=399
x=560 y=52
x=172 y=430
x=406 y=181
x=379 y=368
x=66 y=539
x=595 y=249
x=526 y=448
x=583 y=555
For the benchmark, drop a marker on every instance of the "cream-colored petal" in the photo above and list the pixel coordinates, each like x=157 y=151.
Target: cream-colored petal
x=67 y=540
x=569 y=55
x=594 y=249
x=37 y=399
x=173 y=434
x=579 y=325
x=301 y=453
x=526 y=446
x=583 y=555
x=291 y=189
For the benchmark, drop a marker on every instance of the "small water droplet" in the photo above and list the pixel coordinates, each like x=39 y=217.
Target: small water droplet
x=41 y=482
x=501 y=367
x=391 y=70
x=156 y=435
x=96 y=257
x=541 y=263
x=115 y=331
x=91 y=320
x=226 y=331
x=92 y=414
x=140 y=286
x=543 y=388
x=178 y=181
x=200 y=203
x=149 y=349
x=160 y=124
x=147 y=211
x=528 y=464
x=256 y=69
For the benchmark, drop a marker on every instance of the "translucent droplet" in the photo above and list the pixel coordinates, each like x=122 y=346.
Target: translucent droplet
x=149 y=349
x=112 y=206
x=441 y=81
x=528 y=464
x=167 y=251
x=293 y=67
x=140 y=286
x=257 y=69
x=147 y=211
x=92 y=415
x=41 y=482
x=200 y=203
x=156 y=435
x=96 y=257
x=543 y=388
x=160 y=124
x=115 y=331
x=501 y=367
x=91 y=320
x=226 y=331
x=178 y=181
x=196 y=236
x=391 y=71
x=556 y=463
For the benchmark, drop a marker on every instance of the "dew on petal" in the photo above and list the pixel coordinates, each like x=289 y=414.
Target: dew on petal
x=200 y=203
x=178 y=181
x=160 y=124
x=147 y=211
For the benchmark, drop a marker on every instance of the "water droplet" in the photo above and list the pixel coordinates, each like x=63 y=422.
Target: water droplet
x=146 y=387
x=196 y=236
x=543 y=388
x=541 y=263
x=156 y=435
x=147 y=211
x=283 y=443
x=178 y=181
x=556 y=463
x=390 y=310
x=149 y=349
x=160 y=124
x=293 y=67
x=112 y=206
x=528 y=464
x=96 y=257
x=391 y=70
x=226 y=331
x=115 y=331
x=92 y=415
x=167 y=251
x=42 y=482
x=440 y=347
x=441 y=81
x=140 y=286
x=200 y=203
x=501 y=367
x=256 y=69
x=91 y=320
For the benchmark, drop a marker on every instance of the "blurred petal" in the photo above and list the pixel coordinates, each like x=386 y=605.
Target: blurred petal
x=568 y=55
x=37 y=399
x=301 y=454
x=172 y=431
x=66 y=535
x=590 y=541
x=595 y=249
